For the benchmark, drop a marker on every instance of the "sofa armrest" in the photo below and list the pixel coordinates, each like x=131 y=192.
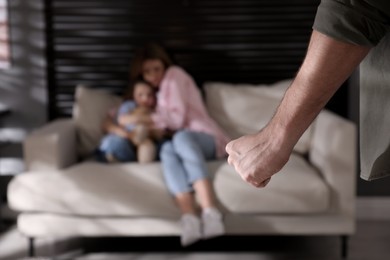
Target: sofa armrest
x=334 y=152
x=52 y=146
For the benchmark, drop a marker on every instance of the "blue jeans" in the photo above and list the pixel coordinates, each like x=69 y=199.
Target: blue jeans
x=184 y=159
x=121 y=148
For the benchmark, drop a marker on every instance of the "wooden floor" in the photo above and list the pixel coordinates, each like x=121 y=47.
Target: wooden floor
x=371 y=242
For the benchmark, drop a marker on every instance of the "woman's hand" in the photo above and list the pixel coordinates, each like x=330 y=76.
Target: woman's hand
x=168 y=133
x=159 y=134
x=258 y=156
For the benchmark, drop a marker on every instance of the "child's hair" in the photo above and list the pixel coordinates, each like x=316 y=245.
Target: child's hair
x=129 y=93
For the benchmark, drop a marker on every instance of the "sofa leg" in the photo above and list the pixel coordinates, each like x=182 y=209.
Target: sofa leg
x=344 y=246
x=31 y=247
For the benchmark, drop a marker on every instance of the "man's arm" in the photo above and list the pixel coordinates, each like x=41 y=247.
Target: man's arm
x=328 y=63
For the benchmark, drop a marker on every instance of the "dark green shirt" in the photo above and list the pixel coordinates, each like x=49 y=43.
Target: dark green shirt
x=366 y=22
x=362 y=22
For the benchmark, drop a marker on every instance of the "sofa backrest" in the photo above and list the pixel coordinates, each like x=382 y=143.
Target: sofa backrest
x=243 y=109
x=89 y=110
x=238 y=108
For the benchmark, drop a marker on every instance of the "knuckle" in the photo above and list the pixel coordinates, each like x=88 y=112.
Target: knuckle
x=247 y=178
x=257 y=185
x=229 y=160
x=228 y=147
x=262 y=185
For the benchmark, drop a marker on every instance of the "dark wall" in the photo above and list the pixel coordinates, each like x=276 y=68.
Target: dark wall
x=236 y=41
x=23 y=85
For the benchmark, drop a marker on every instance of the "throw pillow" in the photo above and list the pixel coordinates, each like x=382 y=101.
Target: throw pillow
x=242 y=109
x=90 y=108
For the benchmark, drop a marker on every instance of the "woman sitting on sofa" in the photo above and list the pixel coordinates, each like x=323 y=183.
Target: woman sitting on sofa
x=197 y=138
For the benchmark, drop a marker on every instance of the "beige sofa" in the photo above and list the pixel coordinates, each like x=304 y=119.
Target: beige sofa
x=61 y=195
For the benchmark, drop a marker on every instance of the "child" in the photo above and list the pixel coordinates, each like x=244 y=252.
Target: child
x=140 y=102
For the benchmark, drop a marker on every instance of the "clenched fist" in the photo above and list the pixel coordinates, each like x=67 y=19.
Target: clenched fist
x=257 y=157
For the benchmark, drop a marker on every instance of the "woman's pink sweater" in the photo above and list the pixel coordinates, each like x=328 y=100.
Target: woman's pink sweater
x=180 y=106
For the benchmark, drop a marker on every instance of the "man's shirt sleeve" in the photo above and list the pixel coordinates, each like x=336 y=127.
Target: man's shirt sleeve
x=352 y=21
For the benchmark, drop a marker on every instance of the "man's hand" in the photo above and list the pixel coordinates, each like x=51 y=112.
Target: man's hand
x=258 y=156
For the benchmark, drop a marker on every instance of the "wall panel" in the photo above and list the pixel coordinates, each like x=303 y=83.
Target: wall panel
x=237 y=41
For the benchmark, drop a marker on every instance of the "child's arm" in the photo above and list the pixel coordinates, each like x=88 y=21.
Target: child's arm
x=134 y=118
x=109 y=126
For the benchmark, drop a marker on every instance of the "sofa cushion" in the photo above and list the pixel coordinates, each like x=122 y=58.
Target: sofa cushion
x=242 y=109
x=89 y=110
x=131 y=189
x=95 y=189
x=297 y=188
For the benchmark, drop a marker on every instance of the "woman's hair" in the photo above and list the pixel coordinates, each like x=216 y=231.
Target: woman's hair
x=151 y=51
x=129 y=93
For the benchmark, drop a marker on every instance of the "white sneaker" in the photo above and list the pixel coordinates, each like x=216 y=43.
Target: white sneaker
x=191 y=229
x=212 y=223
